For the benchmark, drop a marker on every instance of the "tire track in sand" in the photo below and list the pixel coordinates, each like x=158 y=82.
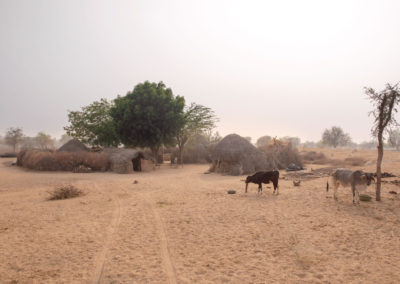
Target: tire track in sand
x=165 y=254
x=101 y=258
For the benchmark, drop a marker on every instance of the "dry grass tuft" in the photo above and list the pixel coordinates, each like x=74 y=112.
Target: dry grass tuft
x=163 y=204
x=65 y=192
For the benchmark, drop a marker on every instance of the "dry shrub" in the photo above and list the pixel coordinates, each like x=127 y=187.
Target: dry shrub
x=319 y=158
x=355 y=161
x=281 y=154
x=65 y=192
x=62 y=161
x=313 y=157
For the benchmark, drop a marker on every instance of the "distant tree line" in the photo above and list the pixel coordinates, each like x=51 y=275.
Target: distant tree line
x=15 y=138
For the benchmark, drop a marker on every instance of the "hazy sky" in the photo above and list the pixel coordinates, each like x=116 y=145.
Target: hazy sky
x=265 y=67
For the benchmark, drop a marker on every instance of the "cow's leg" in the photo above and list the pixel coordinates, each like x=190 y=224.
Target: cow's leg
x=246 y=186
x=353 y=191
x=335 y=191
x=358 y=196
x=260 y=188
x=276 y=187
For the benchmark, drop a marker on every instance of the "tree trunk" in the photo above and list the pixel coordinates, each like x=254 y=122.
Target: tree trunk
x=155 y=154
x=181 y=154
x=378 y=168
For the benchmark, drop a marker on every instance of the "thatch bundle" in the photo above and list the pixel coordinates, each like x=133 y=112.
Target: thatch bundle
x=43 y=160
x=125 y=161
x=281 y=154
x=235 y=155
x=73 y=145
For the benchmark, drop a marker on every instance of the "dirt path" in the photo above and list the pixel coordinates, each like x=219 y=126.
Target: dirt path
x=101 y=258
x=165 y=253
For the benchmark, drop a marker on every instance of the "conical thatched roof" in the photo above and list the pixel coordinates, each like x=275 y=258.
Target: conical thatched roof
x=73 y=145
x=235 y=155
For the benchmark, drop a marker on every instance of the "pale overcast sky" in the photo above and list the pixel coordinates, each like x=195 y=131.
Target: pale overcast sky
x=265 y=67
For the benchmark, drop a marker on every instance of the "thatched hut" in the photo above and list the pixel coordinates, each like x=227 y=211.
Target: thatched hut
x=234 y=155
x=73 y=145
x=125 y=161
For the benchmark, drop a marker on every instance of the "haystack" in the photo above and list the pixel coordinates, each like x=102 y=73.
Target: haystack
x=73 y=145
x=234 y=155
x=125 y=161
x=281 y=154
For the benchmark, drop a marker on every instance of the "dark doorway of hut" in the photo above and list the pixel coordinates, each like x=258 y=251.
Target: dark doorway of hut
x=137 y=163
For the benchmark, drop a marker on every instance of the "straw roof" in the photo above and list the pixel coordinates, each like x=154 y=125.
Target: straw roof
x=235 y=155
x=73 y=145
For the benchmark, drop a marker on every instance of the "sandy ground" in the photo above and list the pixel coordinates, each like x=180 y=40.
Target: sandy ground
x=181 y=226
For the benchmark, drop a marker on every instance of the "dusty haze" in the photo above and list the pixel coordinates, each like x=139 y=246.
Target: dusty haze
x=265 y=67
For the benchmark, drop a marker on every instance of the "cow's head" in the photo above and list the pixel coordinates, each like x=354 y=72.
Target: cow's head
x=367 y=178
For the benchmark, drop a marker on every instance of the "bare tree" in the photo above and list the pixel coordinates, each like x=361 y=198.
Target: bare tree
x=263 y=141
x=44 y=141
x=197 y=119
x=295 y=141
x=13 y=136
x=335 y=137
x=394 y=138
x=385 y=104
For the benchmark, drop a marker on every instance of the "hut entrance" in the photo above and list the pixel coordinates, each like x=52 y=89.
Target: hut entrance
x=137 y=164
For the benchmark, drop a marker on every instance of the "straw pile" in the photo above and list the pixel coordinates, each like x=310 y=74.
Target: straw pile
x=234 y=155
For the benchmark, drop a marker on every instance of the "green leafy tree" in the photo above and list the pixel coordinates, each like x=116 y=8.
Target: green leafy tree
x=149 y=116
x=44 y=141
x=93 y=124
x=13 y=136
x=197 y=119
x=385 y=103
x=335 y=137
x=263 y=141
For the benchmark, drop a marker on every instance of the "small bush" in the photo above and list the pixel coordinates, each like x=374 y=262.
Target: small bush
x=355 y=161
x=65 y=192
x=313 y=157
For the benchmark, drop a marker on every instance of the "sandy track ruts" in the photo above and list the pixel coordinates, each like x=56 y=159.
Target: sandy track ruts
x=101 y=258
x=165 y=254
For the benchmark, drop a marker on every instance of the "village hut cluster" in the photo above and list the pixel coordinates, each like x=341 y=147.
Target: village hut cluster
x=233 y=155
